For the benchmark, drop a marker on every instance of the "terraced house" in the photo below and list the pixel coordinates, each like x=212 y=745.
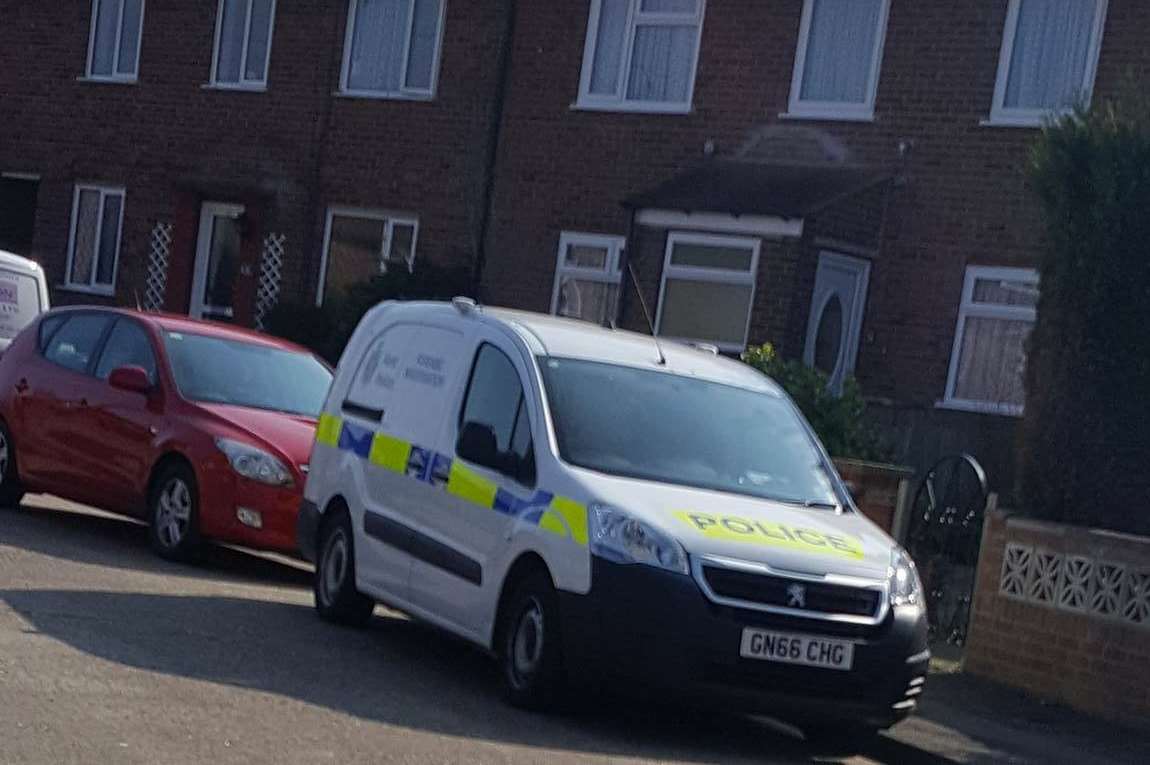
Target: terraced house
x=842 y=178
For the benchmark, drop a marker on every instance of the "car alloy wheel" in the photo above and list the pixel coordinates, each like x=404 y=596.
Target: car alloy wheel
x=334 y=567
x=174 y=513
x=527 y=644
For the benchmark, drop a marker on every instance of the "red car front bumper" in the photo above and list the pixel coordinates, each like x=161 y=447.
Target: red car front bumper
x=223 y=497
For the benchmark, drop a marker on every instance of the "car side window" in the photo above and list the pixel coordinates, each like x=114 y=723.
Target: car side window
x=128 y=345
x=48 y=328
x=495 y=399
x=74 y=344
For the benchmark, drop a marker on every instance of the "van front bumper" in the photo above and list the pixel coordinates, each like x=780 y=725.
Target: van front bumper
x=650 y=632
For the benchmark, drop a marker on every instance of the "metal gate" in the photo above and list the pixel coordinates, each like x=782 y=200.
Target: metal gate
x=944 y=537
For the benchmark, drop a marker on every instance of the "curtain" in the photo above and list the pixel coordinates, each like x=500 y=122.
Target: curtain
x=84 y=249
x=377 y=45
x=708 y=311
x=424 y=40
x=661 y=63
x=256 y=65
x=1051 y=48
x=130 y=38
x=992 y=361
x=231 y=41
x=840 y=50
x=588 y=300
x=609 y=38
x=109 y=240
x=104 y=46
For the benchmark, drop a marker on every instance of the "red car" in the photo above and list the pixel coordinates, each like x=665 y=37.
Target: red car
x=202 y=430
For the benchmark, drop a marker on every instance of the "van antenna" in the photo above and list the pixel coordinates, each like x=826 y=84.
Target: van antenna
x=646 y=314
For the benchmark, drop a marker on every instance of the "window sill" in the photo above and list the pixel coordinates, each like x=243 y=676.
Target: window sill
x=816 y=115
x=80 y=289
x=235 y=87
x=1015 y=121
x=632 y=107
x=977 y=407
x=109 y=80
x=369 y=95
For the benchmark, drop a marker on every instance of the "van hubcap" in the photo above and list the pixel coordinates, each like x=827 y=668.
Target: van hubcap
x=334 y=566
x=527 y=643
x=174 y=513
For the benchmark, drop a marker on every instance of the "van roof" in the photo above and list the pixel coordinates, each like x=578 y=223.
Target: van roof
x=12 y=260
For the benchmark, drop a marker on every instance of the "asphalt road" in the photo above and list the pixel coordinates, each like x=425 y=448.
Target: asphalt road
x=110 y=655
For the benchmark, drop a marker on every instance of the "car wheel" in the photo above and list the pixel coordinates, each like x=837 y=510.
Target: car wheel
x=531 y=648
x=174 y=517
x=11 y=492
x=336 y=598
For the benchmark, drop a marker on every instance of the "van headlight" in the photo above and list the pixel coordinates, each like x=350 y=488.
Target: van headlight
x=905 y=586
x=253 y=463
x=620 y=537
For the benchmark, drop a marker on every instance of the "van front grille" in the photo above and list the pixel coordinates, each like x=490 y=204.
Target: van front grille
x=818 y=598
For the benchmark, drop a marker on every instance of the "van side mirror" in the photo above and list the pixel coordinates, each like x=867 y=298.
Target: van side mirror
x=477 y=444
x=130 y=378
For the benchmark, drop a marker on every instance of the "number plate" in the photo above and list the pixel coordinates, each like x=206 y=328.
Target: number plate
x=789 y=648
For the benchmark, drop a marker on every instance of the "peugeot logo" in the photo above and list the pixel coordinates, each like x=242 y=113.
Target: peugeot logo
x=796 y=596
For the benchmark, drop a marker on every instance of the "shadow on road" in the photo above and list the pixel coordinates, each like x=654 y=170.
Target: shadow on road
x=104 y=540
x=396 y=672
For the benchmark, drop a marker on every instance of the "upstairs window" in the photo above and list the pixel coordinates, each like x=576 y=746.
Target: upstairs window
x=361 y=244
x=392 y=48
x=114 y=41
x=995 y=318
x=94 y=246
x=587 y=277
x=1049 y=58
x=243 y=43
x=641 y=55
x=839 y=58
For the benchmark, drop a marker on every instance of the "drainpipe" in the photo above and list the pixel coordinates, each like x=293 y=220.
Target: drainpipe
x=494 y=135
x=626 y=284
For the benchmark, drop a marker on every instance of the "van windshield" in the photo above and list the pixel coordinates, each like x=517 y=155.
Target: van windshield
x=681 y=430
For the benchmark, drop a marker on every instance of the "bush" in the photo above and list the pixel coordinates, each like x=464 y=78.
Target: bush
x=839 y=420
x=1086 y=435
x=327 y=329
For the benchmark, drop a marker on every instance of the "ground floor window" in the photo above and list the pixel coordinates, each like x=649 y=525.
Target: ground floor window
x=360 y=244
x=587 y=276
x=94 y=243
x=708 y=289
x=989 y=358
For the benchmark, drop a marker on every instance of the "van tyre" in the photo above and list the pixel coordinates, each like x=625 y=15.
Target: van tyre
x=531 y=650
x=174 y=514
x=336 y=598
x=11 y=492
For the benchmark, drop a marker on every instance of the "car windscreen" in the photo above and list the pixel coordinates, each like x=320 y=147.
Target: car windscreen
x=665 y=427
x=19 y=302
x=216 y=370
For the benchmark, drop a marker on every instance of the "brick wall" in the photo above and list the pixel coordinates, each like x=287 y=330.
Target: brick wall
x=1064 y=613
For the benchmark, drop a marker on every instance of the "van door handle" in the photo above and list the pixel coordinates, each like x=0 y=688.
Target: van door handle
x=359 y=410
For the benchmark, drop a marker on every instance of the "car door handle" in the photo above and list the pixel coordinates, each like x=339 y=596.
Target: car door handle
x=22 y=387
x=83 y=403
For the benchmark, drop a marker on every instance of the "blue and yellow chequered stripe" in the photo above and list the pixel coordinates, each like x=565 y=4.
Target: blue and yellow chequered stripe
x=558 y=515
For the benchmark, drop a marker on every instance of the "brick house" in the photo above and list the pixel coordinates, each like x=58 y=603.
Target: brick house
x=842 y=178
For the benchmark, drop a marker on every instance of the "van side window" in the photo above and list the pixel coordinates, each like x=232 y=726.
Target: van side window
x=495 y=399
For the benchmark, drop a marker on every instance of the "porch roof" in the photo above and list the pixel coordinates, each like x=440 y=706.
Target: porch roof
x=740 y=187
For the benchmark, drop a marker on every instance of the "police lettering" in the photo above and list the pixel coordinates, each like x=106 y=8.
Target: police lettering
x=767 y=533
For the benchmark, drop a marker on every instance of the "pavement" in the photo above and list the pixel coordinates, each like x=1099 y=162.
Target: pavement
x=111 y=655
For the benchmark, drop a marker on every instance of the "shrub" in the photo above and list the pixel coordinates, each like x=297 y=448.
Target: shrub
x=1086 y=435
x=327 y=329
x=839 y=420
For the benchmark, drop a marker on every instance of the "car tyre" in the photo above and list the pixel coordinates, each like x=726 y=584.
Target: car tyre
x=11 y=492
x=174 y=515
x=531 y=649
x=336 y=598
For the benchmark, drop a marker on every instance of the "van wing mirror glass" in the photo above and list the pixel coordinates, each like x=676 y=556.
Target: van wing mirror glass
x=477 y=444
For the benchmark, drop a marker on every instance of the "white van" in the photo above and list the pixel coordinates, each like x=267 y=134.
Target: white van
x=595 y=509
x=23 y=295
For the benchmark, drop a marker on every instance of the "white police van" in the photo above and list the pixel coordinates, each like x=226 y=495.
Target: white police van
x=595 y=509
x=23 y=295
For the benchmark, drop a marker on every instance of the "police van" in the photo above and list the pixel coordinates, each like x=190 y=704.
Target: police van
x=599 y=508
x=23 y=295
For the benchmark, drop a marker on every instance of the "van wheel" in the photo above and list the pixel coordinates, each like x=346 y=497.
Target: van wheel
x=174 y=514
x=531 y=649
x=336 y=598
x=11 y=492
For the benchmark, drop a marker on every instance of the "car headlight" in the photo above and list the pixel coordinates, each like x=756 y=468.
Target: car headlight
x=620 y=537
x=905 y=586
x=254 y=463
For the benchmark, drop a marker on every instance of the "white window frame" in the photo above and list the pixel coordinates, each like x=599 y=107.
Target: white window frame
x=1001 y=115
x=91 y=286
x=404 y=93
x=609 y=274
x=389 y=217
x=701 y=274
x=969 y=309
x=835 y=110
x=243 y=83
x=114 y=76
x=620 y=102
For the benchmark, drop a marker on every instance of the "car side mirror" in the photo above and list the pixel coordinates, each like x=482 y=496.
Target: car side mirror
x=131 y=378
x=477 y=444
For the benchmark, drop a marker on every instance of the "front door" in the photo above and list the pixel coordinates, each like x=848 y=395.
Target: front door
x=836 y=315
x=217 y=262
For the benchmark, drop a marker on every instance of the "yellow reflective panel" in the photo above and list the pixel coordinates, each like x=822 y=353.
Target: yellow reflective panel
x=328 y=429
x=390 y=452
x=469 y=485
x=551 y=521
x=732 y=528
x=576 y=516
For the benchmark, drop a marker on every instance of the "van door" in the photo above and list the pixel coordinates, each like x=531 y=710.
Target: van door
x=486 y=485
